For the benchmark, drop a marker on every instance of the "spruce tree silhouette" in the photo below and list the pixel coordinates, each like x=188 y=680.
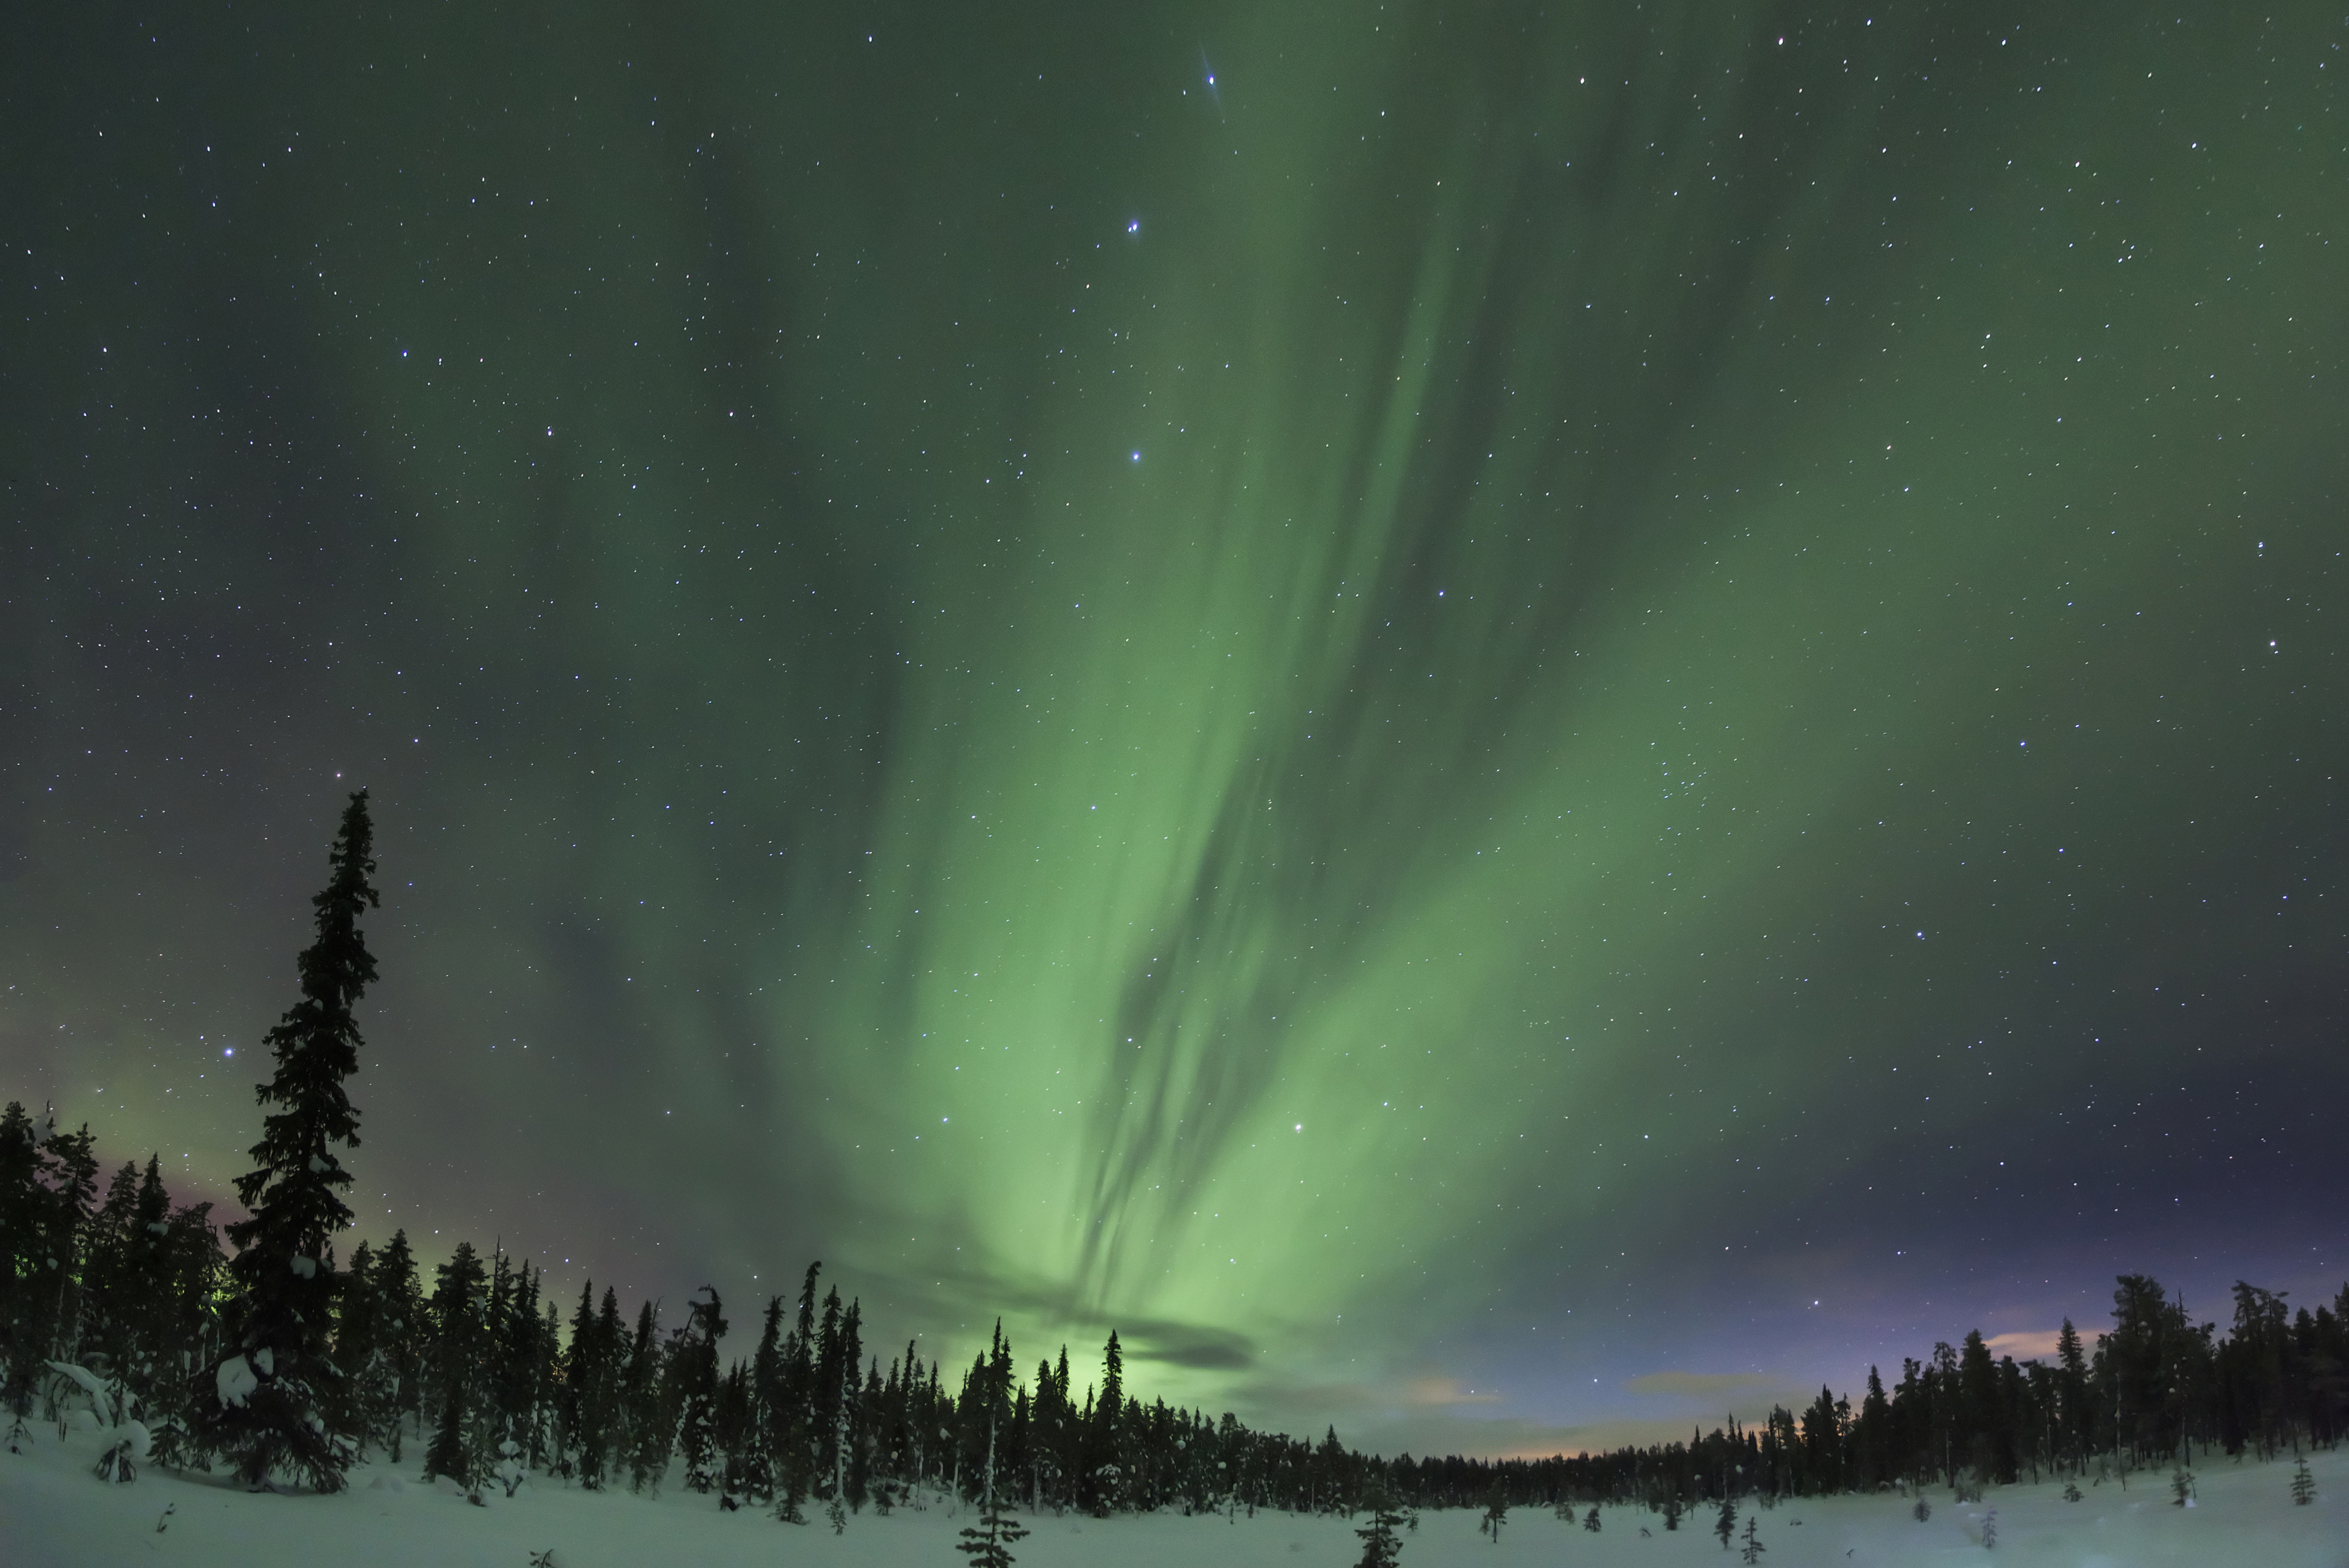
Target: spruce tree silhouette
x=272 y=1402
x=1380 y=1547
x=1496 y=1509
x=988 y=1542
x=461 y=1341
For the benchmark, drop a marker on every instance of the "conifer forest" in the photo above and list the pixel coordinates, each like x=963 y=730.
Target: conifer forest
x=475 y=1373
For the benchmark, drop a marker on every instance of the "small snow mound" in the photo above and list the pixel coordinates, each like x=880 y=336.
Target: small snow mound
x=138 y=1437
x=388 y=1484
x=447 y=1486
x=84 y=1420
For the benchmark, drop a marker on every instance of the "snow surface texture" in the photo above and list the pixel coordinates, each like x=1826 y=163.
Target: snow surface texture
x=54 y=1513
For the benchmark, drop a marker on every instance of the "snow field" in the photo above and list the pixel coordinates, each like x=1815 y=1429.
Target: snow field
x=54 y=1513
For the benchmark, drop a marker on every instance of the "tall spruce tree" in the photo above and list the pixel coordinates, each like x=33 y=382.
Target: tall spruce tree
x=587 y=1397
x=272 y=1407
x=757 y=1477
x=792 y=1421
x=518 y=1369
x=461 y=1336
x=988 y=1542
x=59 y=1216
x=2074 y=1417
x=1104 y=1443
x=651 y=1422
x=23 y=1211
x=400 y=1339
x=734 y=1433
x=693 y=1370
x=358 y=1336
x=548 y=1434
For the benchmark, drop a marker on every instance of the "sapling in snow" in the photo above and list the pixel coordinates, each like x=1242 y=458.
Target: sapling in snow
x=1496 y=1511
x=1381 y=1548
x=109 y=1403
x=120 y=1462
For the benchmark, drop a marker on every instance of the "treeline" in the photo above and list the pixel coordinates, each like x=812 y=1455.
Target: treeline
x=2154 y=1390
x=488 y=1381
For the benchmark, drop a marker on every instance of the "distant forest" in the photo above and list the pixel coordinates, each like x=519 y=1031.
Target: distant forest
x=272 y=1358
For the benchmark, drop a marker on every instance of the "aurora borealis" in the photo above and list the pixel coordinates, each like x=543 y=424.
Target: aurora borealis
x=1519 y=721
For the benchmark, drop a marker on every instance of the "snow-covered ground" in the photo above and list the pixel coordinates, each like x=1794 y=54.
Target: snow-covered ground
x=54 y=1513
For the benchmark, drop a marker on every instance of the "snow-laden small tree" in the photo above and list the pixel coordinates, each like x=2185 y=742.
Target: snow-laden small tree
x=2304 y=1485
x=1496 y=1510
x=1752 y=1550
x=270 y=1402
x=1381 y=1548
x=1724 y=1524
x=988 y=1542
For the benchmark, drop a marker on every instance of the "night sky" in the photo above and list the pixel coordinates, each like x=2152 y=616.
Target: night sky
x=1506 y=724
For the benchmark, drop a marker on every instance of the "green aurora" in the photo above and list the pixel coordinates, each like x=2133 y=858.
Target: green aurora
x=1454 y=719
